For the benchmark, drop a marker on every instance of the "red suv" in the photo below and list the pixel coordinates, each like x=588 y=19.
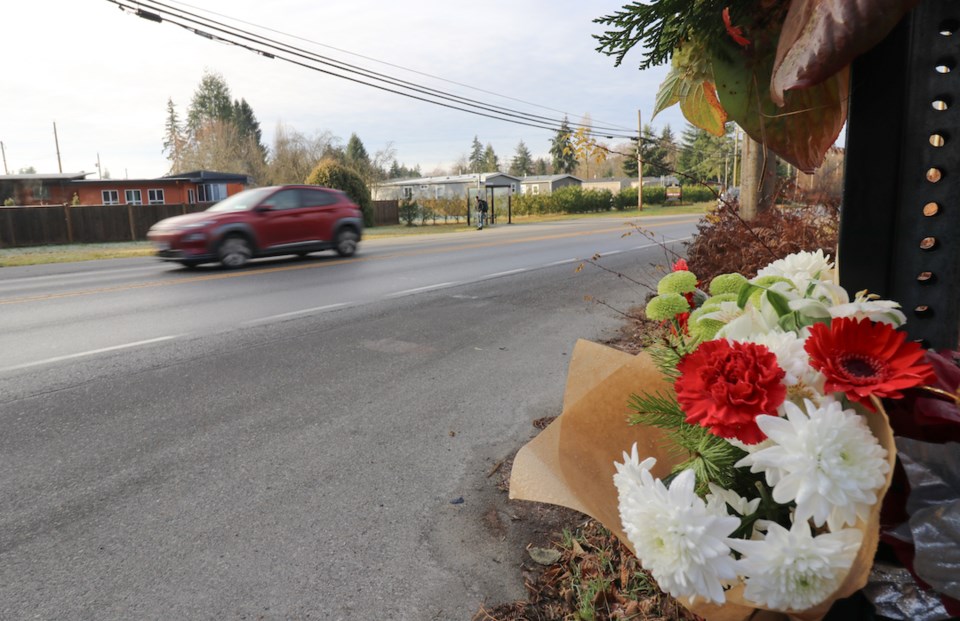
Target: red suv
x=290 y=219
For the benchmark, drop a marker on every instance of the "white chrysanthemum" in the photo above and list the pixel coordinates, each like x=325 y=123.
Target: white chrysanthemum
x=720 y=498
x=866 y=307
x=825 y=459
x=792 y=569
x=801 y=268
x=677 y=537
x=749 y=323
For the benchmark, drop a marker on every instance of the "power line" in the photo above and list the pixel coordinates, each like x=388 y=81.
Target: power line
x=198 y=25
x=389 y=64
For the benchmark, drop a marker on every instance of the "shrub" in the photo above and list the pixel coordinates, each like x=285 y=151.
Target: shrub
x=408 y=211
x=698 y=194
x=725 y=244
x=445 y=208
x=9 y=202
x=332 y=174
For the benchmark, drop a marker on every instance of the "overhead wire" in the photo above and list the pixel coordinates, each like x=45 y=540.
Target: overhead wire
x=389 y=64
x=246 y=40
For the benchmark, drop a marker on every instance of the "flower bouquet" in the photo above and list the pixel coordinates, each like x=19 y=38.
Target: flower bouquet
x=757 y=452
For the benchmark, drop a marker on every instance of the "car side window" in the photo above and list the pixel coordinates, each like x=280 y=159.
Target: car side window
x=284 y=199
x=317 y=198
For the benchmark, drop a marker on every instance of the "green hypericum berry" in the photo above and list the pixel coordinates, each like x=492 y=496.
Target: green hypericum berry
x=703 y=329
x=727 y=283
x=677 y=282
x=666 y=306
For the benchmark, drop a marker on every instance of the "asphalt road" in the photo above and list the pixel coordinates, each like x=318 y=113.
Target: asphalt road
x=292 y=440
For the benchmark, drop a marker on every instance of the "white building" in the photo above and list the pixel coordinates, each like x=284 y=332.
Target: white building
x=451 y=187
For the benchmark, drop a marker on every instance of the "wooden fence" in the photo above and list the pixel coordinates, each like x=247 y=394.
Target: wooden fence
x=88 y=224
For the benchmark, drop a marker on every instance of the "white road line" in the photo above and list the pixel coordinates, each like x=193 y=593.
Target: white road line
x=508 y=272
x=419 y=289
x=92 y=352
x=565 y=261
x=305 y=311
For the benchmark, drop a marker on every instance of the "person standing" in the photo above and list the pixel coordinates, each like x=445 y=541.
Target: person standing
x=481 y=212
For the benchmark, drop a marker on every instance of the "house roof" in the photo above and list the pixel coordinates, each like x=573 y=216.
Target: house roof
x=548 y=178
x=45 y=177
x=198 y=176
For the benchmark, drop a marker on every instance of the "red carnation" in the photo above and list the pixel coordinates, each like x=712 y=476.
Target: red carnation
x=681 y=266
x=724 y=387
x=862 y=358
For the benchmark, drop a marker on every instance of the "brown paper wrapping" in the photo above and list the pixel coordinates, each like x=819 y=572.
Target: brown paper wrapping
x=571 y=462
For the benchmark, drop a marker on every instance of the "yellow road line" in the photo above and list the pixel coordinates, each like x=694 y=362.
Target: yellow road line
x=288 y=268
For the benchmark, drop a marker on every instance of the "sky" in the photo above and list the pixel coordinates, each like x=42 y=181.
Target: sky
x=104 y=77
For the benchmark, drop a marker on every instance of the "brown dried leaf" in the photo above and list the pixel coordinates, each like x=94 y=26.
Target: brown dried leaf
x=821 y=37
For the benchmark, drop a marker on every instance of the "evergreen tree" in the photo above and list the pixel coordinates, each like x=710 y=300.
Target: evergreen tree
x=654 y=156
x=211 y=101
x=247 y=123
x=562 y=151
x=356 y=156
x=174 y=141
x=491 y=163
x=541 y=166
x=476 y=156
x=522 y=163
x=703 y=155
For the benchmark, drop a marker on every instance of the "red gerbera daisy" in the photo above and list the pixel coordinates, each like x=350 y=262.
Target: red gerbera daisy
x=724 y=387
x=862 y=358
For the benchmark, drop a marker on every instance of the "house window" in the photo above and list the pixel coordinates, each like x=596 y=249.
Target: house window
x=439 y=192
x=110 y=197
x=212 y=192
x=408 y=192
x=535 y=189
x=41 y=192
x=191 y=197
x=155 y=197
x=132 y=197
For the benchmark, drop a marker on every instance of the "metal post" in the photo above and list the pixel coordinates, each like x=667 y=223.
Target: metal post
x=899 y=236
x=4 y=151
x=56 y=141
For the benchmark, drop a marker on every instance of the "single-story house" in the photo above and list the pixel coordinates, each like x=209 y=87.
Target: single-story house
x=615 y=185
x=655 y=182
x=547 y=184
x=201 y=186
x=450 y=186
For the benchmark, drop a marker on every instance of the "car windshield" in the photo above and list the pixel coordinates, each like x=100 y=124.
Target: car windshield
x=248 y=199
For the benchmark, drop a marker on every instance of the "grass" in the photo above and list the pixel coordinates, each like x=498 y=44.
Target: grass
x=68 y=253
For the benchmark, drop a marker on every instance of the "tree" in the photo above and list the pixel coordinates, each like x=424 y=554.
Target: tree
x=561 y=150
x=356 y=157
x=29 y=170
x=219 y=145
x=247 y=124
x=174 y=142
x=655 y=155
x=294 y=154
x=476 y=156
x=703 y=155
x=211 y=102
x=541 y=166
x=522 y=163
x=332 y=174
x=491 y=163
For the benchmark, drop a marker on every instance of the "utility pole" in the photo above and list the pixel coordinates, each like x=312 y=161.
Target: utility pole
x=736 y=151
x=99 y=170
x=4 y=151
x=56 y=141
x=639 y=161
x=759 y=177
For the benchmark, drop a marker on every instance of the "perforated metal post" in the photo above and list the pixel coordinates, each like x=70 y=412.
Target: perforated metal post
x=900 y=221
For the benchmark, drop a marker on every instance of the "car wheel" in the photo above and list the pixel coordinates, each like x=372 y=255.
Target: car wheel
x=234 y=252
x=346 y=242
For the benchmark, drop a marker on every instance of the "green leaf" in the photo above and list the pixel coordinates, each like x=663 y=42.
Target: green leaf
x=778 y=302
x=690 y=83
x=745 y=292
x=803 y=130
